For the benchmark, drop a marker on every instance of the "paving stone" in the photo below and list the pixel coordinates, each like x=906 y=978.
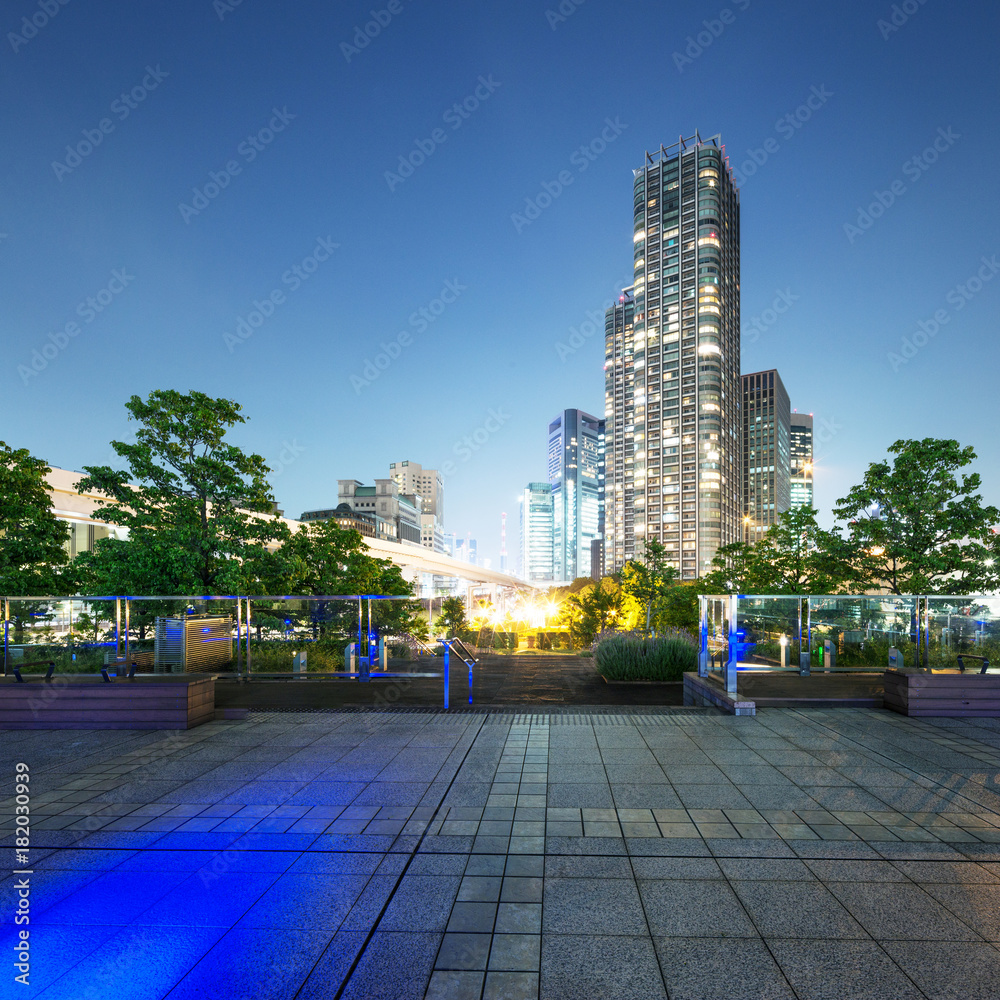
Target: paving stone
x=949 y=970
x=575 y=966
x=860 y=970
x=687 y=908
x=900 y=912
x=608 y=907
x=710 y=969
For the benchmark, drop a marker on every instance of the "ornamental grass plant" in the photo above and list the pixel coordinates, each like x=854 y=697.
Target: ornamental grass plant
x=632 y=656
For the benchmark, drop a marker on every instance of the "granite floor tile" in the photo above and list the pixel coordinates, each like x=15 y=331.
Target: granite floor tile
x=713 y=969
x=828 y=970
x=688 y=908
x=575 y=966
x=900 y=912
x=949 y=970
x=584 y=906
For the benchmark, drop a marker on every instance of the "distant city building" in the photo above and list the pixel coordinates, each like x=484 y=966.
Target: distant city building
x=537 y=527
x=619 y=447
x=672 y=364
x=766 y=452
x=596 y=559
x=392 y=515
x=576 y=474
x=414 y=480
x=801 y=447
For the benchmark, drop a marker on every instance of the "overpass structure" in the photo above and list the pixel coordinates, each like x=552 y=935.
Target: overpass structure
x=433 y=574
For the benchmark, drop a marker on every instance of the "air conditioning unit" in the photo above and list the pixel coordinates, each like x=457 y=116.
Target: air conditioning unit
x=193 y=644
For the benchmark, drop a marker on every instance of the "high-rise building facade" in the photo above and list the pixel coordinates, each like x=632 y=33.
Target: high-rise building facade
x=766 y=452
x=537 y=524
x=672 y=375
x=413 y=479
x=619 y=442
x=801 y=446
x=576 y=474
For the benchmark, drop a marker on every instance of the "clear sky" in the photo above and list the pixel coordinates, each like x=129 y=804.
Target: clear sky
x=215 y=148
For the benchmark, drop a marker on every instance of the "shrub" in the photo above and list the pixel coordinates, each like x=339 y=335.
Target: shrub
x=630 y=657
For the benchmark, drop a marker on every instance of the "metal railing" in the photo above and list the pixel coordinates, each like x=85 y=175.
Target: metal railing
x=831 y=633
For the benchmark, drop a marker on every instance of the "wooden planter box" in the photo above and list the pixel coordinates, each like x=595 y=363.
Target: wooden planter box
x=150 y=702
x=944 y=693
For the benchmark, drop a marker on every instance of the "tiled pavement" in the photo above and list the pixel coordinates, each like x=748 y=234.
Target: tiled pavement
x=490 y=855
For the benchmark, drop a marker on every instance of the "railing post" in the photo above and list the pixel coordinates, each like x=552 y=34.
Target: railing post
x=703 y=633
x=805 y=638
x=729 y=677
x=6 y=628
x=128 y=621
x=447 y=647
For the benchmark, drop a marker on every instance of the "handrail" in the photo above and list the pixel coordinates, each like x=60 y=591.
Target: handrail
x=469 y=657
x=969 y=656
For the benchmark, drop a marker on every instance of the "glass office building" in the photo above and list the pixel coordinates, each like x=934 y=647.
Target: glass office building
x=801 y=442
x=576 y=475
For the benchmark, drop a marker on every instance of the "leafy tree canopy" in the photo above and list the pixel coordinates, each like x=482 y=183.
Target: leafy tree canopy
x=198 y=509
x=915 y=526
x=33 y=557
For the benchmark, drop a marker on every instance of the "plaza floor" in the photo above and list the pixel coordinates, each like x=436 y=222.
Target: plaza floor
x=494 y=854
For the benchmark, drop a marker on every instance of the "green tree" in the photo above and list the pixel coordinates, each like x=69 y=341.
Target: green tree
x=733 y=570
x=593 y=610
x=915 y=526
x=198 y=509
x=647 y=582
x=33 y=556
x=451 y=620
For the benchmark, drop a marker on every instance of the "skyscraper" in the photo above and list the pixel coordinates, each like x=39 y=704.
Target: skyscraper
x=672 y=382
x=536 y=532
x=801 y=447
x=619 y=449
x=576 y=474
x=766 y=452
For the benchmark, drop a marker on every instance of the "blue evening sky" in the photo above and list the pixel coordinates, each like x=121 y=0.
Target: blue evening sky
x=174 y=258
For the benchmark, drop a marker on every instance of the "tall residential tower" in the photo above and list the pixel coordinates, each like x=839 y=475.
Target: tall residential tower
x=766 y=452
x=672 y=374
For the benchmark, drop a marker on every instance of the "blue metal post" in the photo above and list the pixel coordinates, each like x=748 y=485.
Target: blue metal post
x=447 y=647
